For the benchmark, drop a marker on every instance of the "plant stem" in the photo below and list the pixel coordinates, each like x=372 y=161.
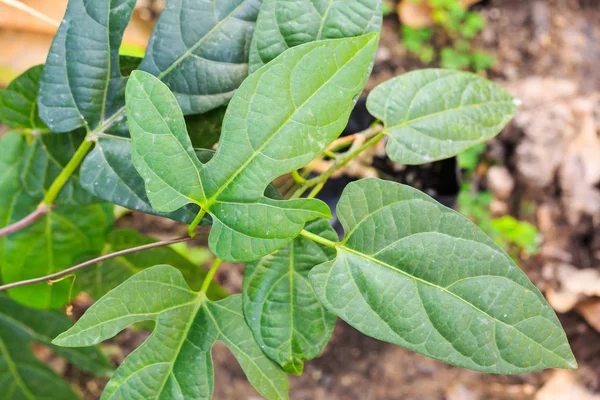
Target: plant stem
x=195 y=222
x=66 y=173
x=28 y=220
x=318 y=239
x=297 y=177
x=92 y=262
x=316 y=190
x=210 y=275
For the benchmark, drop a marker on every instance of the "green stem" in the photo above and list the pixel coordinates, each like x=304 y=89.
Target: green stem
x=210 y=275
x=195 y=222
x=316 y=190
x=66 y=173
x=297 y=177
x=318 y=239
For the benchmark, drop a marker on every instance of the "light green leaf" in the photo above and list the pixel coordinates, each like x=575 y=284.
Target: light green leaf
x=18 y=102
x=417 y=274
x=283 y=24
x=434 y=114
x=82 y=84
x=102 y=277
x=200 y=50
x=42 y=327
x=53 y=243
x=175 y=361
x=268 y=131
x=285 y=315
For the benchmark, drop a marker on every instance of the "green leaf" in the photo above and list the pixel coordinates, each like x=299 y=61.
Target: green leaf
x=53 y=243
x=417 y=274
x=205 y=129
x=270 y=130
x=200 y=50
x=82 y=84
x=175 y=361
x=285 y=315
x=283 y=24
x=102 y=277
x=22 y=375
x=18 y=102
x=43 y=326
x=434 y=114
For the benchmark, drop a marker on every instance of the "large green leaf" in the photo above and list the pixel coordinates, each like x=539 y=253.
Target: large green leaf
x=105 y=276
x=279 y=120
x=42 y=327
x=415 y=273
x=175 y=361
x=434 y=114
x=82 y=84
x=54 y=242
x=199 y=48
x=285 y=315
x=18 y=102
x=282 y=24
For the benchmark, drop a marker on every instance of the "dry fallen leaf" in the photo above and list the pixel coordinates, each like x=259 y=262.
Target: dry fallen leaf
x=418 y=15
x=591 y=312
x=563 y=385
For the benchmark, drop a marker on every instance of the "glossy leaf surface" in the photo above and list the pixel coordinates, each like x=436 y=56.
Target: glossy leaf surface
x=100 y=278
x=199 y=48
x=283 y=24
x=175 y=361
x=417 y=274
x=278 y=121
x=280 y=305
x=434 y=114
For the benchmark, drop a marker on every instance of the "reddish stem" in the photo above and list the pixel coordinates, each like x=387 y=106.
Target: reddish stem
x=42 y=210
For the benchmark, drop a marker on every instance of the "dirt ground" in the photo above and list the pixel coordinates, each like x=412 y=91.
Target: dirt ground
x=548 y=55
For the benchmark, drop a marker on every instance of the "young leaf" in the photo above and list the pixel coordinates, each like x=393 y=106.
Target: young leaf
x=82 y=84
x=175 y=361
x=102 y=277
x=269 y=129
x=22 y=375
x=18 y=102
x=417 y=274
x=43 y=326
x=434 y=114
x=200 y=50
x=54 y=242
x=285 y=315
x=283 y=24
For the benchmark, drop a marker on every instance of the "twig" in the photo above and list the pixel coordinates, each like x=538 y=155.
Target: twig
x=92 y=262
x=25 y=222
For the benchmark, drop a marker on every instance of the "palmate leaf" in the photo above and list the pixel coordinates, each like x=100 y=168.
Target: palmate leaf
x=175 y=361
x=105 y=276
x=42 y=327
x=415 y=273
x=283 y=24
x=433 y=114
x=279 y=120
x=285 y=315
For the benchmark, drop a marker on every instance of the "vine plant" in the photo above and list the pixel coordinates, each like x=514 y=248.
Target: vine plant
x=91 y=129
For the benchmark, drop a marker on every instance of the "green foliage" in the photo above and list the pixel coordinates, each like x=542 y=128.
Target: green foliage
x=460 y=26
x=409 y=271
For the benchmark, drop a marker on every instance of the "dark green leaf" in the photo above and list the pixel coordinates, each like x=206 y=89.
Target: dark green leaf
x=285 y=315
x=205 y=129
x=43 y=326
x=18 y=102
x=434 y=114
x=267 y=132
x=102 y=277
x=199 y=48
x=415 y=273
x=175 y=361
x=283 y=24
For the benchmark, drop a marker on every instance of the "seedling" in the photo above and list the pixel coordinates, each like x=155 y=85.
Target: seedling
x=408 y=270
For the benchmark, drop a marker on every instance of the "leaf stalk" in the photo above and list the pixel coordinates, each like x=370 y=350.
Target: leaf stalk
x=211 y=274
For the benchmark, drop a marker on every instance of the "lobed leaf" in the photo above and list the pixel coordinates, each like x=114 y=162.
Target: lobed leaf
x=283 y=24
x=285 y=315
x=105 y=276
x=279 y=120
x=417 y=274
x=433 y=114
x=175 y=361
